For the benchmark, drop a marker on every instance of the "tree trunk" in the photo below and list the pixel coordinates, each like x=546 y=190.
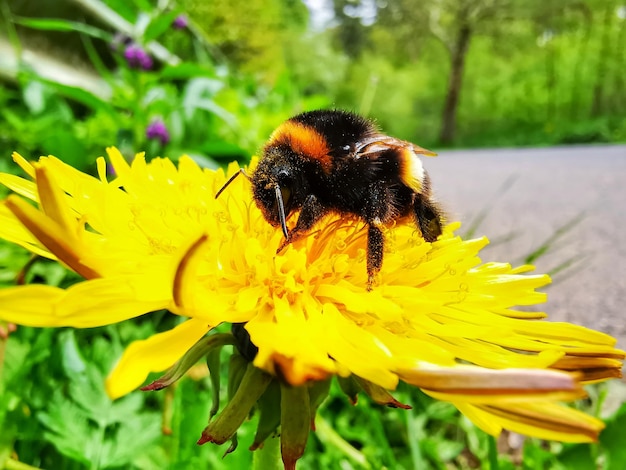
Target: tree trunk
x=581 y=61
x=618 y=97
x=599 y=90
x=455 y=83
x=552 y=58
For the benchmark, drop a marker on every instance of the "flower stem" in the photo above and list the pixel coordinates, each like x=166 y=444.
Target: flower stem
x=325 y=432
x=3 y=345
x=493 y=453
x=268 y=457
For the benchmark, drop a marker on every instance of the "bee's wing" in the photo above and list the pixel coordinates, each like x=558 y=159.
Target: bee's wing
x=379 y=143
x=422 y=151
x=411 y=171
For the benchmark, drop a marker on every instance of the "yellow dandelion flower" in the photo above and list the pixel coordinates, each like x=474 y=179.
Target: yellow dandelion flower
x=154 y=237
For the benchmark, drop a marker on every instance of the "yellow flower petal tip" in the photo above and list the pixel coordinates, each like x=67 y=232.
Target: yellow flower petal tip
x=154 y=354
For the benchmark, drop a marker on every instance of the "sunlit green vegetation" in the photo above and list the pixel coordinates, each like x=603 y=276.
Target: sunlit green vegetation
x=436 y=72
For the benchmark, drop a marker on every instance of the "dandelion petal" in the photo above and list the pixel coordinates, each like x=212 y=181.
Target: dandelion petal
x=154 y=354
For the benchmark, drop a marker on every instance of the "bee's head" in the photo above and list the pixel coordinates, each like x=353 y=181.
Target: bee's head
x=277 y=187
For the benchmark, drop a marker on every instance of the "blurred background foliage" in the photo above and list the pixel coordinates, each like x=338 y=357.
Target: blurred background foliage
x=212 y=79
x=438 y=72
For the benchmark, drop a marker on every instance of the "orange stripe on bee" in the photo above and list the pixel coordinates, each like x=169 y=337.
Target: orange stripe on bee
x=305 y=141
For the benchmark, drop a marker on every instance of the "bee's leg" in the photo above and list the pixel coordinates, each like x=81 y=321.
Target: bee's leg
x=377 y=210
x=312 y=211
x=375 y=247
x=428 y=217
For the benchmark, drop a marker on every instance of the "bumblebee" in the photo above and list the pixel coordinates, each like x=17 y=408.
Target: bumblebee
x=335 y=161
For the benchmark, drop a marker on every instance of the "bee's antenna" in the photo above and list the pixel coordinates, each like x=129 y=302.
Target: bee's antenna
x=281 y=210
x=230 y=180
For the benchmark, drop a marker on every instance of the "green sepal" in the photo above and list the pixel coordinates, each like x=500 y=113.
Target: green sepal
x=192 y=356
x=234 y=442
x=379 y=394
x=269 y=414
x=226 y=423
x=318 y=391
x=295 y=423
x=350 y=388
x=214 y=363
x=237 y=366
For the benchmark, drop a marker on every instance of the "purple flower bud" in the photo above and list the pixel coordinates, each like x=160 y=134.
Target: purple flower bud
x=130 y=54
x=137 y=57
x=181 y=22
x=145 y=61
x=157 y=130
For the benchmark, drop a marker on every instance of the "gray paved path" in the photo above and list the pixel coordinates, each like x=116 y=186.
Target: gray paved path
x=545 y=189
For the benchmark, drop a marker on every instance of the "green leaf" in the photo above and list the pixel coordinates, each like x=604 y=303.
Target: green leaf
x=535 y=456
x=159 y=25
x=73 y=361
x=96 y=60
x=52 y=274
x=34 y=97
x=202 y=88
x=144 y=5
x=124 y=8
x=578 y=457
x=441 y=411
x=612 y=440
x=186 y=70
x=134 y=437
x=439 y=450
x=67 y=428
x=22 y=355
x=199 y=94
x=63 y=142
x=13 y=119
x=415 y=424
x=85 y=425
x=129 y=405
x=16 y=360
x=223 y=150
x=81 y=95
x=64 y=25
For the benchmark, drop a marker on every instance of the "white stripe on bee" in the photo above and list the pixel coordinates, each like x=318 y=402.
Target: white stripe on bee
x=413 y=176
